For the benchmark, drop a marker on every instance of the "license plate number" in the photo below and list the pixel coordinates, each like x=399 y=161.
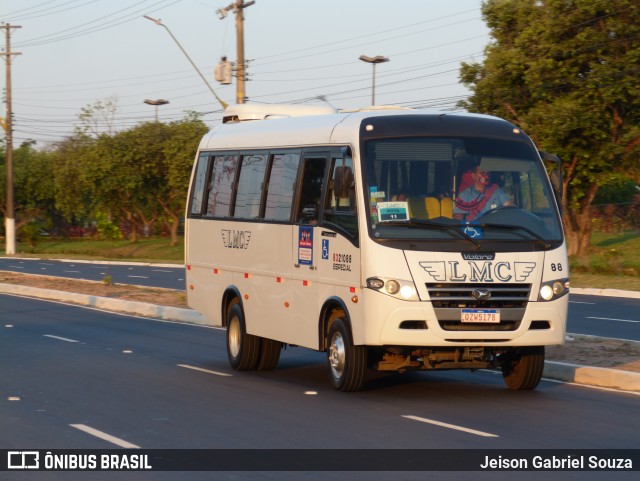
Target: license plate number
x=488 y=316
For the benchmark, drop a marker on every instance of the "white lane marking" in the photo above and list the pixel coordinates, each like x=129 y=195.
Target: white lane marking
x=611 y=319
x=17 y=267
x=224 y=374
x=451 y=426
x=60 y=338
x=74 y=272
x=107 y=437
x=160 y=270
x=139 y=277
x=580 y=302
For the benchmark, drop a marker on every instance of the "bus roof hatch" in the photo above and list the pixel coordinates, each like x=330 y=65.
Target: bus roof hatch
x=244 y=112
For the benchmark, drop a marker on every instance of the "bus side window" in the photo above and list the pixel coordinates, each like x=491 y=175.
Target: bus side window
x=198 y=190
x=310 y=191
x=282 y=177
x=249 y=193
x=340 y=204
x=223 y=174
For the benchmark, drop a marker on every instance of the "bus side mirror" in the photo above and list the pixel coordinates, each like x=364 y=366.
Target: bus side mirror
x=556 y=173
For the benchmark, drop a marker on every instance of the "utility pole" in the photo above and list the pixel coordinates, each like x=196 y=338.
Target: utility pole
x=9 y=219
x=241 y=76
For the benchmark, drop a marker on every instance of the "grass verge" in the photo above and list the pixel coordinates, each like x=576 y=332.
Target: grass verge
x=145 y=250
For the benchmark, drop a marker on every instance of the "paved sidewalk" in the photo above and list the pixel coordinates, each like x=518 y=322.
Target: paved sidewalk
x=585 y=375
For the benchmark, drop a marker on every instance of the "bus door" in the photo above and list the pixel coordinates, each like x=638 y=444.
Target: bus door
x=326 y=255
x=338 y=265
x=306 y=248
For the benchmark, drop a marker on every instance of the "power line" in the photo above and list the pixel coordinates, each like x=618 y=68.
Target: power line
x=16 y=12
x=69 y=33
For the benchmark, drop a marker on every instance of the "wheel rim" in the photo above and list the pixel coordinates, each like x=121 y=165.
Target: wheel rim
x=234 y=337
x=337 y=355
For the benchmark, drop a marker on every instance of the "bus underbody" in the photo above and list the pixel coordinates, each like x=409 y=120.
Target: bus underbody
x=469 y=357
x=521 y=367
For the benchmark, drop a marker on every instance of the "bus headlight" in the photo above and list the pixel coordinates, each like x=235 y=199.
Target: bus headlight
x=552 y=290
x=405 y=290
x=392 y=287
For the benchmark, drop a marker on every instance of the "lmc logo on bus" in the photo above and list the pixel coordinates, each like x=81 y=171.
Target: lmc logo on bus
x=236 y=239
x=485 y=271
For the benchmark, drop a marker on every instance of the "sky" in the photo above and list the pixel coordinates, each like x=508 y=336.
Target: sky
x=74 y=53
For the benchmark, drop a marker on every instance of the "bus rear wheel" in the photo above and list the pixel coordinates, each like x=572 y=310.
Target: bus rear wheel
x=347 y=363
x=269 y=354
x=242 y=349
x=522 y=369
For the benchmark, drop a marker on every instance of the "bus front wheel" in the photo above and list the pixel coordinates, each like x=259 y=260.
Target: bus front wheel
x=522 y=369
x=242 y=349
x=347 y=363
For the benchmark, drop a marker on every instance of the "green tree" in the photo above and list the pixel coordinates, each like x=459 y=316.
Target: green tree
x=179 y=152
x=566 y=71
x=125 y=176
x=98 y=118
x=134 y=177
x=33 y=187
x=75 y=186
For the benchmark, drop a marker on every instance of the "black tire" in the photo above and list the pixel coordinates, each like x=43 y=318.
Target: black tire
x=269 y=354
x=347 y=363
x=242 y=349
x=522 y=369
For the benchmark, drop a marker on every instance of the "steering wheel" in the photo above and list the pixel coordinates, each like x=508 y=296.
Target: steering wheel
x=498 y=209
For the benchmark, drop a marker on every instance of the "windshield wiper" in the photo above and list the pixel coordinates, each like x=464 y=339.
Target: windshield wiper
x=424 y=223
x=537 y=237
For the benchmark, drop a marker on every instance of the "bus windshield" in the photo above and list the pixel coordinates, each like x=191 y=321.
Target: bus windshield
x=435 y=188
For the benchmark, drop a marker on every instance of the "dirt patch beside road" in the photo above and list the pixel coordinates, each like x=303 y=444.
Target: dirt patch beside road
x=583 y=350
x=162 y=297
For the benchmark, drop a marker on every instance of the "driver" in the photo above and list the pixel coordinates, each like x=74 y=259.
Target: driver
x=479 y=197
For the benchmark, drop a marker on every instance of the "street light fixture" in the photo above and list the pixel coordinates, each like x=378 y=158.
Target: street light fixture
x=158 y=22
x=373 y=61
x=155 y=103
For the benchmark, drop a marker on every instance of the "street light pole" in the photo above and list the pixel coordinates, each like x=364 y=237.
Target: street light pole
x=155 y=103
x=373 y=61
x=9 y=219
x=158 y=22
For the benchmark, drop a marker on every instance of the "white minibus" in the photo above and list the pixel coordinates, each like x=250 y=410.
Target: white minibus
x=391 y=239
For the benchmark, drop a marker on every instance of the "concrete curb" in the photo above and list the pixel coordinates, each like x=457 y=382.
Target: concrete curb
x=593 y=376
x=604 y=292
x=587 y=375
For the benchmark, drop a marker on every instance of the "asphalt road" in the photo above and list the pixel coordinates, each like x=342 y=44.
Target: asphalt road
x=602 y=316
x=69 y=375
x=157 y=275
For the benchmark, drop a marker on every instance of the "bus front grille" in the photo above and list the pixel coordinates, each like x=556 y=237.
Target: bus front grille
x=449 y=299
x=503 y=296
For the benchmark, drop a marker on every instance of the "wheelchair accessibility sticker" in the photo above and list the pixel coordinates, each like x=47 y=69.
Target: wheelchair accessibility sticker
x=325 y=249
x=473 y=231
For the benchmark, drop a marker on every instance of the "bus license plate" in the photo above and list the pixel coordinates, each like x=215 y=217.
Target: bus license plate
x=489 y=316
